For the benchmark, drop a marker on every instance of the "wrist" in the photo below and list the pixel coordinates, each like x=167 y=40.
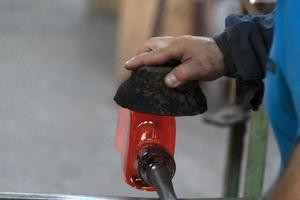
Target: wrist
x=222 y=43
x=217 y=58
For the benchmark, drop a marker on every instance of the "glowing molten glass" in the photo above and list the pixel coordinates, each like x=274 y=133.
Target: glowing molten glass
x=137 y=131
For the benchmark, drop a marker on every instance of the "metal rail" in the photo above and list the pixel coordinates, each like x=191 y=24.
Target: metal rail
x=36 y=196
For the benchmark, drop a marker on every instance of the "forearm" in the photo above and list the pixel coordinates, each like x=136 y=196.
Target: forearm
x=288 y=186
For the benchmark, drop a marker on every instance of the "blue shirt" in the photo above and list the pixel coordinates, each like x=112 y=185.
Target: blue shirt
x=283 y=83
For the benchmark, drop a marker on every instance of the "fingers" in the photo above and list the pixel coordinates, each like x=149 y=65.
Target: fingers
x=155 y=57
x=144 y=49
x=155 y=43
x=182 y=73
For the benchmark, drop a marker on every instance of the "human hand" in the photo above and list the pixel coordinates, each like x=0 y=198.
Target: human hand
x=200 y=58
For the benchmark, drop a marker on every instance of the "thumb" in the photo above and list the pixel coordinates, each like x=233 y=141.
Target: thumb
x=181 y=74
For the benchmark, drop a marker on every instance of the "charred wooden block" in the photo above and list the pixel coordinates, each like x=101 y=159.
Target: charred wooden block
x=145 y=91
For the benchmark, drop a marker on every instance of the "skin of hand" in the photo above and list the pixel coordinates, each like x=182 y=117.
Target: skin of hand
x=288 y=185
x=200 y=58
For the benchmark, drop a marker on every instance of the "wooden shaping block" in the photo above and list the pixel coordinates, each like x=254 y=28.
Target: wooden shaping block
x=146 y=92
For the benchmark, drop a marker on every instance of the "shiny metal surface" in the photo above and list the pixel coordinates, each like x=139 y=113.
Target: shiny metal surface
x=36 y=196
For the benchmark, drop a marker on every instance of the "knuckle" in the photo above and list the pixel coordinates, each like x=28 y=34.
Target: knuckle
x=155 y=52
x=184 y=37
x=176 y=45
x=148 y=42
x=182 y=41
x=176 y=41
x=154 y=39
x=204 y=71
x=151 y=41
x=165 y=37
x=182 y=73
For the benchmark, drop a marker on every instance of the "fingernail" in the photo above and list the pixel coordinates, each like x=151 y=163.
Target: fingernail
x=171 y=80
x=128 y=63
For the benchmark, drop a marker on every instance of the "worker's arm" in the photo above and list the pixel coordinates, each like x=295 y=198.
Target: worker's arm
x=288 y=185
x=241 y=51
x=245 y=44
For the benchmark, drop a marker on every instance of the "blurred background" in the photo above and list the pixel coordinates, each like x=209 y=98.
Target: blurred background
x=60 y=64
